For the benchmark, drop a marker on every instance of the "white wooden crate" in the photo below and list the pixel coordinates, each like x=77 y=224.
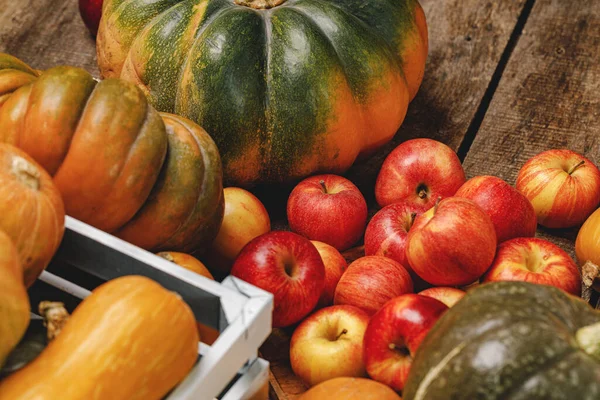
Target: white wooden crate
x=230 y=368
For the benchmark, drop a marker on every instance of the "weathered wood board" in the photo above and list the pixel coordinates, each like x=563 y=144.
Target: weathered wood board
x=491 y=92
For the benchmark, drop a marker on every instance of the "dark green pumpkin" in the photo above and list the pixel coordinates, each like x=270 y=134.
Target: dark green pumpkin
x=510 y=340
x=300 y=87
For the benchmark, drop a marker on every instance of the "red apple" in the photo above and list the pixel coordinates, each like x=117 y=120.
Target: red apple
x=511 y=212
x=329 y=344
x=394 y=335
x=387 y=231
x=91 y=11
x=328 y=208
x=447 y=295
x=371 y=281
x=537 y=261
x=563 y=186
x=287 y=265
x=451 y=244
x=419 y=171
x=335 y=265
x=244 y=219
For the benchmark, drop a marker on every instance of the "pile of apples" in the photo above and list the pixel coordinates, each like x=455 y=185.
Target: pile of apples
x=435 y=234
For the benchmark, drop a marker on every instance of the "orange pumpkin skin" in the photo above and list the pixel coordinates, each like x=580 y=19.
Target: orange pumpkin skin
x=31 y=209
x=14 y=73
x=14 y=302
x=185 y=208
x=207 y=334
x=103 y=142
x=130 y=339
x=587 y=245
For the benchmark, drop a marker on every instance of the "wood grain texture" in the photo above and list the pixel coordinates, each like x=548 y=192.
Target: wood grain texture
x=548 y=97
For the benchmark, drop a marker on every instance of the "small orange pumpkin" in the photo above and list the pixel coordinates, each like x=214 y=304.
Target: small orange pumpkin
x=33 y=214
x=14 y=303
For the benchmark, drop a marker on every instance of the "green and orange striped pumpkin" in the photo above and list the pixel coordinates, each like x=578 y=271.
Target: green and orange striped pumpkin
x=285 y=87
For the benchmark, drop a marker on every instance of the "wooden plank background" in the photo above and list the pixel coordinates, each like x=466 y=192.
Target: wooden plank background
x=505 y=80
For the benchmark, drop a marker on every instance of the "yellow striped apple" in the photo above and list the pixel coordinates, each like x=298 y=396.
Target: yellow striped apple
x=370 y=281
x=329 y=344
x=419 y=171
x=563 y=186
x=447 y=295
x=535 y=260
x=451 y=244
x=394 y=334
x=511 y=212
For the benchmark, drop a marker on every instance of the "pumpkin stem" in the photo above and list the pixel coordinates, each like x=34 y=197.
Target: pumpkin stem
x=26 y=173
x=591 y=275
x=259 y=4
x=166 y=256
x=55 y=317
x=574 y=167
x=588 y=339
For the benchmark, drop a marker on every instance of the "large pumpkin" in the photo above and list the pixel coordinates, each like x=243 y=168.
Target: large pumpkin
x=286 y=88
x=14 y=303
x=130 y=339
x=14 y=73
x=31 y=210
x=106 y=148
x=512 y=340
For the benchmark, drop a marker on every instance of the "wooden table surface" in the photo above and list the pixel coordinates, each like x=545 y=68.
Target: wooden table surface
x=505 y=80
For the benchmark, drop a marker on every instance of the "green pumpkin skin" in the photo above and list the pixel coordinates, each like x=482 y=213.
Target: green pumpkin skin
x=508 y=340
x=303 y=87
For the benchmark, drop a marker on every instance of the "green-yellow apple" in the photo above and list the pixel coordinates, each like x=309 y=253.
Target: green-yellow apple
x=329 y=344
x=563 y=186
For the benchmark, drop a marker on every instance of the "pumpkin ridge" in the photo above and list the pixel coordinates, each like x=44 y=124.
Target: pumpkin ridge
x=266 y=155
x=203 y=26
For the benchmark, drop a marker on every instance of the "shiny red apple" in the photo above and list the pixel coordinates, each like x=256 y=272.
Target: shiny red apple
x=563 y=186
x=452 y=244
x=419 y=171
x=287 y=265
x=91 y=11
x=371 y=281
x=335 y=265
x=329 y=344
x=511 y=212
x=388 y=229
x=394 y=335
x=537 y=261
x=328 y=208
x=447 y=295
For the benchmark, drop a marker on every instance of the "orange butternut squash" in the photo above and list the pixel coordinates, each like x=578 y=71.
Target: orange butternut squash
x=14 y=303
x=130 y=339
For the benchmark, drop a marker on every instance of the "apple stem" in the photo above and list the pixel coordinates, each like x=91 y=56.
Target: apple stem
x=591 y=275
x=573 y=168
x=437 y=203
x=322 y=183
x=413 y=216
x=341 y=333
